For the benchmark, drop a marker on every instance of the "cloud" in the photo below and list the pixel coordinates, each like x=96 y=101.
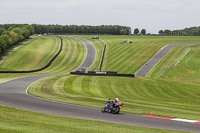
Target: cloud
x=150 y=14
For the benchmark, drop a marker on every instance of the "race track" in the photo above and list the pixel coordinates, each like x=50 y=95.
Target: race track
x=13 y=93
x=147 y=67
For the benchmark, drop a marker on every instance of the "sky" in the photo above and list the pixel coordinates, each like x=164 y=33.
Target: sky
x=152 y=15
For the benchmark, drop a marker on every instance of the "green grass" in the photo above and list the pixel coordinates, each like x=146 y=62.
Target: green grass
x=15 y=120
x=9 y=76
x=37 y=54
x=167 y=61
x=128 y=58
x=139 y=95
x=33 y=55
x=10 y=48
x=99 y=44
x=187 y=70
x=71 y=57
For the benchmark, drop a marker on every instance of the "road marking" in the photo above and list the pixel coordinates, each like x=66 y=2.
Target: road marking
x=174 y=119
x=160 y=117
x=185 y=120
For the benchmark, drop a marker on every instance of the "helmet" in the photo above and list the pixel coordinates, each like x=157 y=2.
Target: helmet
x=116 y=99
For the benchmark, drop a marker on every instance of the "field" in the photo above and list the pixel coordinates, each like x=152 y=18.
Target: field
x=128 y=58
x=139 y=95
x=71 y=57
x=177 y=91
x=37 y=53
x=167 y=61
x=33 y=55
x=15 y=120
x=187 y=70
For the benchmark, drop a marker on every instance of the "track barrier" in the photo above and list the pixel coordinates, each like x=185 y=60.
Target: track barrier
x=103 y=74
x=102 y=57
x=178 y=60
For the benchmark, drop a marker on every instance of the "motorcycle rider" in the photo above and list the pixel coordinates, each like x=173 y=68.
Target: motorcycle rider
x=116 y=101
x=112 y=102
x=113 y=106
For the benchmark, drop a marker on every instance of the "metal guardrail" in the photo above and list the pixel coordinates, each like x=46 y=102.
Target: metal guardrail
x=195 y=45
x=102 y=57
x=178 y=60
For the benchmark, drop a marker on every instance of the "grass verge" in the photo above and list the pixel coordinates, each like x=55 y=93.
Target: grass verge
x=139 y=95
x=15 y=120
x=33 y=55
x=167 y=61
x=128 y=58
x=98 y=44
x=187 y=70
x=71 y=57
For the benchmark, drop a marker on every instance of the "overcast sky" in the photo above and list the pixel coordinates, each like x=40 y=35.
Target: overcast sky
x=152 y=15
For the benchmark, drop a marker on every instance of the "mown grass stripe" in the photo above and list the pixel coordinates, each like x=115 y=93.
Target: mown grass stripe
x=140 y=95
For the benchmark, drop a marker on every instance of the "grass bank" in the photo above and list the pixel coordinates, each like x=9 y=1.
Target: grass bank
x=33 y=55
x=15 y=120
x=139 y=95
x=36 y=54
x=167 y=61
x=187 y=70
x=71 y=57
x=128 y=58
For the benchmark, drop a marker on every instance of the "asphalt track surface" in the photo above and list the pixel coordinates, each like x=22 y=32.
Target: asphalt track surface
x=147 y=67
x=91 y=54
x=13 y=93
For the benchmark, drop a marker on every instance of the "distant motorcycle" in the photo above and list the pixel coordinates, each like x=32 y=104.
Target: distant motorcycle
x=112 y=107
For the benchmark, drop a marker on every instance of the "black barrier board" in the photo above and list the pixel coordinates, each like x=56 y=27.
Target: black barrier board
x=103 y=74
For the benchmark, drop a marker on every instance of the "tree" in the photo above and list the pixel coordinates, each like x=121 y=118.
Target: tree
x=19 y=32
x=129 y=30
x=143 y=31
x=6 y=41
x=1 y=48
x=2 y=30
x=30 y=29
x=166 y=32
x=2 y=44
x=161 y=32
x=82 y=29
x=12 y=27
x=85 y=29
x=16 y=33
x=14 y=37
x=25 y=32
x=136 y=31
x=123 y=32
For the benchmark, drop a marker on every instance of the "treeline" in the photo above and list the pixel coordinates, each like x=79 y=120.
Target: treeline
x=137 y=31
x=192 y=31
x=82 y=29
x=73 y=29
x=172 y=33
x=12 y=34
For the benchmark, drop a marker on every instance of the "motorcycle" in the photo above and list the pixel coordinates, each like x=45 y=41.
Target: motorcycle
x=112 y=107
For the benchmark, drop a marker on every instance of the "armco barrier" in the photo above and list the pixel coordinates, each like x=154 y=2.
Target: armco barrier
x=40 y=69
x=178 y=60
x=102 y=57
x=103 y=74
